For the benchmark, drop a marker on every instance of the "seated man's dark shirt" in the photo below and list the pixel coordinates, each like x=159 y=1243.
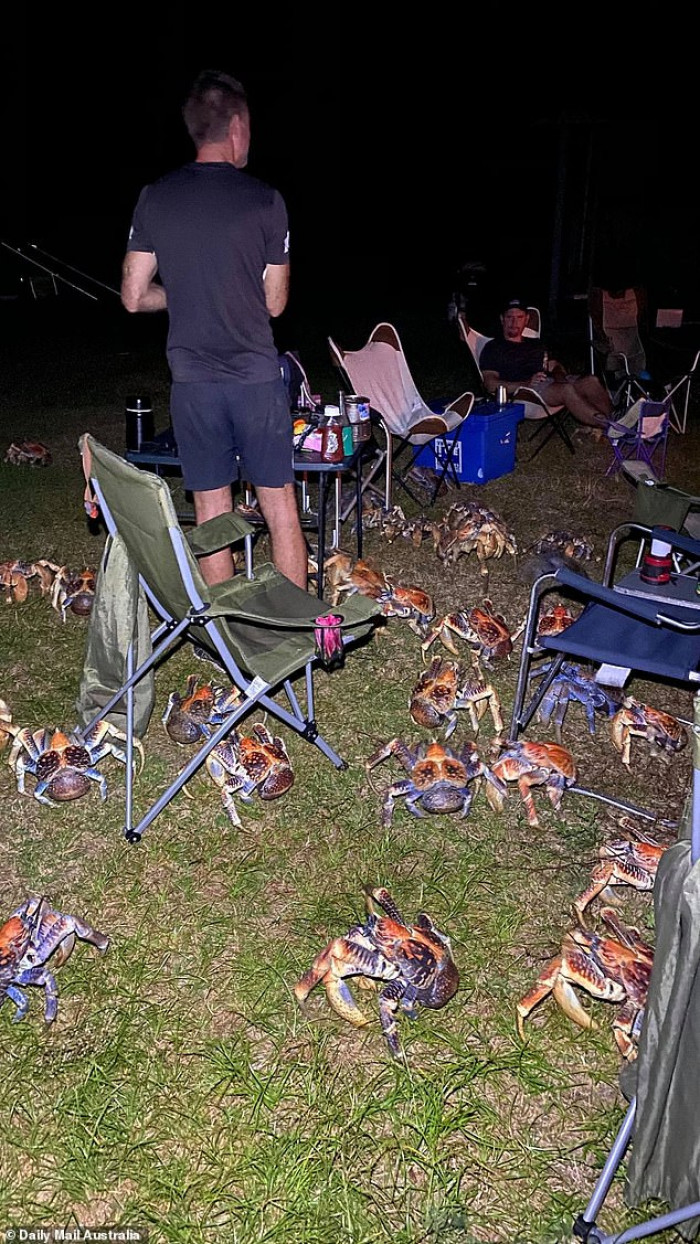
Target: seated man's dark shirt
x=513 y=360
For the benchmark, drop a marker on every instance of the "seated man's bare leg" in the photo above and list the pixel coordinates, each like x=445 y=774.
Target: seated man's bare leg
x=218 y=566
x=590 y=388
x=566 y=394
x=281 y=513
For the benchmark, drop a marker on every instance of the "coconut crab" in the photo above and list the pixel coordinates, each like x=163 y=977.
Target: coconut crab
x=64 y=765
x=632 y=860
x=664 y=733
x=74 y=590
x=614 y=969
x=243 y=765
x=481 y=627
x=443 y=688
x=34 y=932
x=15 y=576
x=468 y=528
x=30 y=453
x=564 y=543
x=345 y=577
x=572 y=682
x=532 y=764
x=554 y=620
x=439 y=778
x=415 y=961
x=192 y=717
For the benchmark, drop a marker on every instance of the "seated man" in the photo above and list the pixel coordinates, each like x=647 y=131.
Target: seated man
x=513 y=360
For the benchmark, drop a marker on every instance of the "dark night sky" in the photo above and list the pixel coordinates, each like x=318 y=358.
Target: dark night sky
x=402 y=147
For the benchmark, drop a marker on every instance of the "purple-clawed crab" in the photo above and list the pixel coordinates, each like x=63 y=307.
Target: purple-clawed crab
x=572 y=682
x=34 y=932
x=439 y=778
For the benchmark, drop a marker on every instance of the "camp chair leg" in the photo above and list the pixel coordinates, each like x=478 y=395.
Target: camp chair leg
x=584 y=1226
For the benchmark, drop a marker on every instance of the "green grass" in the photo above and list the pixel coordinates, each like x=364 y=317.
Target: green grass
x=182 y=1088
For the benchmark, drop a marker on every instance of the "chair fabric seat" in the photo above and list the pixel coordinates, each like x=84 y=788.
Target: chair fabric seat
x=608 y=636
x=246 y=611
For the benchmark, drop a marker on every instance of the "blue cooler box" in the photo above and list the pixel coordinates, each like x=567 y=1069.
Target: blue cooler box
x=485 y=444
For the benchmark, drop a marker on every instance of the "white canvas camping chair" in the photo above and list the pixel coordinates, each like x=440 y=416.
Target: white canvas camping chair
x=261 y=632
x=379 y=371
x=550 y=418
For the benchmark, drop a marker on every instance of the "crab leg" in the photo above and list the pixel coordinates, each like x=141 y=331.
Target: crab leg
x=39 y=976
x=343 y=957
x=389 y=1000
x=541 y=989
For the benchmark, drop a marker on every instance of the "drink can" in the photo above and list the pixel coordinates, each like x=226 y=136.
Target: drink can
x=501 y=395
x=357 y=410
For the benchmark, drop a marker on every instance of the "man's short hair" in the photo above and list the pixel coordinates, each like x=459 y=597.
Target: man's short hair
x=515 y=304
x=214 y=98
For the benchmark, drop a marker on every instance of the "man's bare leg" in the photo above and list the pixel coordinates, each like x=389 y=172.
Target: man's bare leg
x=281 y=513
x=566 y=394
x=590 y=388
x=217 y=567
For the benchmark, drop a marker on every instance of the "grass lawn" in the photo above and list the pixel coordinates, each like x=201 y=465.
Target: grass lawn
x=182 y=1088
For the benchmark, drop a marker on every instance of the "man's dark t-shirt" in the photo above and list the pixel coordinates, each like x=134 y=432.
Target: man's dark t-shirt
x=513 y=360
x=213 y=230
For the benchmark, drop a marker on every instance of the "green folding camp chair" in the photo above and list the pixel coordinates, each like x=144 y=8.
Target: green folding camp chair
x=261 y=630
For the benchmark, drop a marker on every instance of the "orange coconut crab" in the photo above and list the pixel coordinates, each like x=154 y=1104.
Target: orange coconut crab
x=481 y=627
x=415 y=960
x=242 y=765
x=664 y=733
x=632 y=861
x=344 y=577
x=194 y=716
x=443 y=688
x=613 y=969
x=15 y=576
x=532 y=764
x=468 y=527
x=439 y=778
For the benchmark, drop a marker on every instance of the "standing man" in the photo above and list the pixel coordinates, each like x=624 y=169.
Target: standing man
x=515 y=360
x=218 y=241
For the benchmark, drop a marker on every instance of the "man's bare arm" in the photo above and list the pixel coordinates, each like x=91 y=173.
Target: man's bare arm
x=276 y=283
x=139 y=291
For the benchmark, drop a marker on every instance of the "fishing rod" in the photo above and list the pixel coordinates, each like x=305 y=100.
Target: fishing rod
x=85 y=275
x=55 y=276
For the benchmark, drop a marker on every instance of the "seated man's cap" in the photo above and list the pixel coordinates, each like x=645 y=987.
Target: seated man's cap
x=515 y=304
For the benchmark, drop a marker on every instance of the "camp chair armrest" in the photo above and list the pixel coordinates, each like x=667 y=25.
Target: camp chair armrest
x=216 y=533
x=686 y=544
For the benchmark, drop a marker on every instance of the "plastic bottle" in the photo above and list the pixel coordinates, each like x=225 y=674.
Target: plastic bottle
x=332 y=435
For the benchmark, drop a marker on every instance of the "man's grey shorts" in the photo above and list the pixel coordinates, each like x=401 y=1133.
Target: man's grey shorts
x=226 y=430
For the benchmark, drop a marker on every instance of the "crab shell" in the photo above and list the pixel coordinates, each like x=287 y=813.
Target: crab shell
x=611 y=969
x=415 y=961
x=533 y=764
x=435 y=693
x=266 y=761
x=555 y=620
x=663 y=732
